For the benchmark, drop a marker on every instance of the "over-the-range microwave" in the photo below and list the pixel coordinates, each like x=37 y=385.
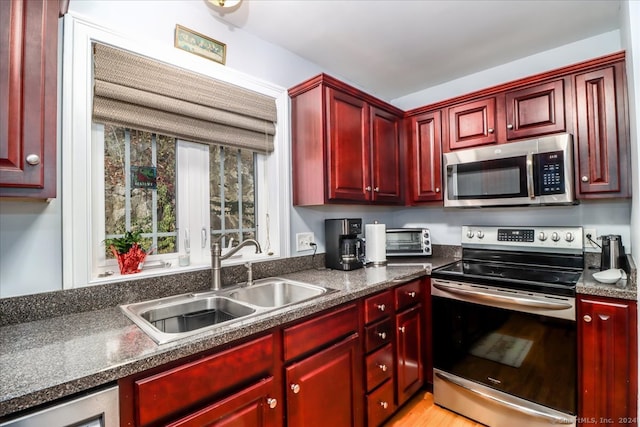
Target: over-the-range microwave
x=531 y=172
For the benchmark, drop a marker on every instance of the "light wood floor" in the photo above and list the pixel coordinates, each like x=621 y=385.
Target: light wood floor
x=421 y=412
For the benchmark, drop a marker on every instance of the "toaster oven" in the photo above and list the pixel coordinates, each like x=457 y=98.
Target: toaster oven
x=408 y=242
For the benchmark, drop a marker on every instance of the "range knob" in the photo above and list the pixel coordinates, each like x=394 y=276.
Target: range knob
x=569 y=237
x=542 y=236
x=480 y=234
x=555 y=236
x=470 y=234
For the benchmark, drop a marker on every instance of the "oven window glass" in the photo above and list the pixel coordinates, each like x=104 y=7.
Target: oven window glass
x=526 y=355
x=489 y=179
x=404 y=242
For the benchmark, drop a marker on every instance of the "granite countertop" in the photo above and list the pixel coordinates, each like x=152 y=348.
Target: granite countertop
x=53 y=358
x=49 y=359
x=623 y=289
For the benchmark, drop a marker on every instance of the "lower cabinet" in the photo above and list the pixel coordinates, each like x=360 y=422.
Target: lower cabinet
x=607 y=362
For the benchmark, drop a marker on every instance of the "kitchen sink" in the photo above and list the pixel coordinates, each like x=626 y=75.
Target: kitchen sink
x=276 y=292
x=171 y=318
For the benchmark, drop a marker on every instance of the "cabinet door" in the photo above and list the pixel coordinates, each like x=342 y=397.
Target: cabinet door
x=255 y=406
x=425 y=157
x=348 y=150
x=472 y=124
x=326 y=389
x=28 y=98
x=607 y=360
x=536 y=110
x=602 y=139
x=410 y=363
x=385 y=156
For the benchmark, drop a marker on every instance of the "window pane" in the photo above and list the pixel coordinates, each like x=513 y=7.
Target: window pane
x=140 y=187
x=232 y=179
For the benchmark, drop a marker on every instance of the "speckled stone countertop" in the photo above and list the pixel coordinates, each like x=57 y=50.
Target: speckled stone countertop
x=48 y=359
x=623 y=289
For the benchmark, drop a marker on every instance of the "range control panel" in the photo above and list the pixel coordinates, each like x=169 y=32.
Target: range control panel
x=523 y=238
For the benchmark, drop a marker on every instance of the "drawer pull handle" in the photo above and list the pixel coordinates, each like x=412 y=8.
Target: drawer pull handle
x=295 y=388
x=382 y=335
x=384 y=404
x=272 y=402
x=587 y=318
x=381 y=307
x=401 y=329
x=412 y=294
x=383 y=367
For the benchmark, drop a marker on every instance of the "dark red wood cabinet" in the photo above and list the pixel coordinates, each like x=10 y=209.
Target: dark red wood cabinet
x=28 y=97
x=603 y=167
x=472 y=124
x=424 y=158
x=345 y=145
x=607 y=361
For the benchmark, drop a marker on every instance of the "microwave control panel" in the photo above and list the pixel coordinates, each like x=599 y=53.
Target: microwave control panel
x=549 y=169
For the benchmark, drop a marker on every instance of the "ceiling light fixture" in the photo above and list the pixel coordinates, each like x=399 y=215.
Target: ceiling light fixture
x=227 y=4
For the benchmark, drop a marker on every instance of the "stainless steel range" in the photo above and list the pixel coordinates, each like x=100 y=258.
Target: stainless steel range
x=504 y=326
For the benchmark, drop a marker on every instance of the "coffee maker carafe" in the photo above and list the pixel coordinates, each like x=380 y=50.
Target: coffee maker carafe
x=345 y=249
x=612 y=252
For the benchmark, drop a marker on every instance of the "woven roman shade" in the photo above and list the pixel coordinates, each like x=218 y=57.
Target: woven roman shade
x=144 y=94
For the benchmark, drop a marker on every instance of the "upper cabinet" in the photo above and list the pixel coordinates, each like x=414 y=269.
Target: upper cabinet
x=425 y=157
x=602 y=133
x=524 y=112
x=345 y=145
x=28 y=97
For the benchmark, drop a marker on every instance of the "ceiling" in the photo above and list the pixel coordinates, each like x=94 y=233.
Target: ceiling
x=393 y=48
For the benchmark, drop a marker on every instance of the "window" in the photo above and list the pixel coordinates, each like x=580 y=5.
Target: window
x=200 y=190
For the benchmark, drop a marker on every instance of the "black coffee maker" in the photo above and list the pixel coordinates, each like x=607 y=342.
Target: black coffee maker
x=345 y=250
x=612 y=252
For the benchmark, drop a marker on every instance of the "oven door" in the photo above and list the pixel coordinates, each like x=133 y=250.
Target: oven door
x=513 y=352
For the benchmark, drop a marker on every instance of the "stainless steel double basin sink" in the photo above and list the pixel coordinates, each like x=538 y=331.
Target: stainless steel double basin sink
x=176 y=317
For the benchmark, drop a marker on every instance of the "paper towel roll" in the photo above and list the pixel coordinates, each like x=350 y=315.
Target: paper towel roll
x=376 y=244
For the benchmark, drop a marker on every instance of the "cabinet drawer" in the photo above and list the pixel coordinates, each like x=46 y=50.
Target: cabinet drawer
x=380 y=404
x=378 y=334
x=408 y=295
x=319 y=331
x=378 y=306
x=169 y=392
x=379 y=367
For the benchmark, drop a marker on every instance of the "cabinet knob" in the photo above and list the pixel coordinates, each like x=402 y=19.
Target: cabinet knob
x=272 y=402
x=376 y=189
x=295 y=388
x=383 y=367
x=509 y=126
x=411 y=294
x=33 y=159
x=382 y=335
x=401 y=329
x=381 y=307
x=367 y=188
x=490 y=130
x=384 y=404
x=587 y=318
x=585 y=178
x=437 y=189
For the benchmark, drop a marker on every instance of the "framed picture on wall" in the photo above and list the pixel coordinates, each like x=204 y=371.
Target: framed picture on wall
x=200 y=45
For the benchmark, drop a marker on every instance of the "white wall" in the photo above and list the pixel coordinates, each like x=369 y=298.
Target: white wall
x=30 y=233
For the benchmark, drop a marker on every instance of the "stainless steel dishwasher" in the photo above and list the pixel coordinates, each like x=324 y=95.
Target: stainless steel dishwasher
x=98 y=409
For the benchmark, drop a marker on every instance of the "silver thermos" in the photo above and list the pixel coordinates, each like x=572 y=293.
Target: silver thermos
x=612 y=252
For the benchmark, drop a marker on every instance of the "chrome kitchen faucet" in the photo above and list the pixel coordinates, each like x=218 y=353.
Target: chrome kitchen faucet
x=217 y=257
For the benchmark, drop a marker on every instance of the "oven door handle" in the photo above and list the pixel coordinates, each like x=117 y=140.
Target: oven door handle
x=522 y=301
x=526 y=410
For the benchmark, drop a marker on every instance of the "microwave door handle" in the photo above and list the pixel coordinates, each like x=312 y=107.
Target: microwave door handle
x=530 y=189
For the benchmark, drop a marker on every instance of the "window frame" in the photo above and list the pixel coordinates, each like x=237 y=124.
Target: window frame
x=77 y=157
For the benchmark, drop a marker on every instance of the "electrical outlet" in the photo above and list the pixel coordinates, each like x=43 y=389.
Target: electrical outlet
x=588 y=244
x=304 y=241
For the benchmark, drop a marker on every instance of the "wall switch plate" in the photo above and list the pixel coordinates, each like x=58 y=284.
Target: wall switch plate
x=588 y=244
x=304 y=241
